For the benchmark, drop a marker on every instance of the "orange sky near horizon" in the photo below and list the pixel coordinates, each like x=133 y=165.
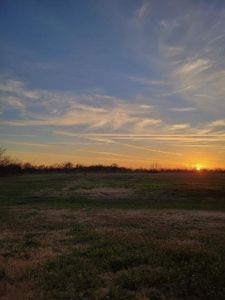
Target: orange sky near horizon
x=128 y=158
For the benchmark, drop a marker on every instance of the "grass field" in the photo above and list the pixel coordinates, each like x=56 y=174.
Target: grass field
x=112 y=236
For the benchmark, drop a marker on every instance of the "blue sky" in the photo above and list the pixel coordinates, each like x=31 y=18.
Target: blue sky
x=131 y=82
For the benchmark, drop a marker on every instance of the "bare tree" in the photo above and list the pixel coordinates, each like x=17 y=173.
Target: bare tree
x=4 y=159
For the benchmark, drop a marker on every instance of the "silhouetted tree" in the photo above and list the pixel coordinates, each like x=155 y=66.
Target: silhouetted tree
x=4 y=160
x=8 y=165
x=67 y=166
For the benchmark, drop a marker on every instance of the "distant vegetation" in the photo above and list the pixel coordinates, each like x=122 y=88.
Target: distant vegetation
x=10 y=166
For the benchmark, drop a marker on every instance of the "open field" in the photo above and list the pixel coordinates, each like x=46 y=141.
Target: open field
x=112 y=236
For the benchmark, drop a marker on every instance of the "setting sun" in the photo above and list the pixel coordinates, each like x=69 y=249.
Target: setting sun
x=198 y=168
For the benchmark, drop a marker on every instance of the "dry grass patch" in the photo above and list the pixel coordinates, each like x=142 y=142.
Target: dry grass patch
x=124 y=248
x=107 y=193
x=23 y=290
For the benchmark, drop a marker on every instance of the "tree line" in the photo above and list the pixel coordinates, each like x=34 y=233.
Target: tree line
x=10 y=166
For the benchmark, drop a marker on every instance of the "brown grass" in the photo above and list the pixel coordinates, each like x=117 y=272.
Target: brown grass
x=52 y=241
x=107 y=192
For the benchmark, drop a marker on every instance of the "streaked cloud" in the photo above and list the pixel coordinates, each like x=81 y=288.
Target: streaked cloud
x=24 y=144
x=146 y=81
x=195 y=69
x=71 y=109
x=11 y=102
x=179 y=126
x=218 y=123
x=182 y=109
x=142 y=10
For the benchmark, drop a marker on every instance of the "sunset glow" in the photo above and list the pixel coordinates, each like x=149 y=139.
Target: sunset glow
x=198 y=168
x=137 y=83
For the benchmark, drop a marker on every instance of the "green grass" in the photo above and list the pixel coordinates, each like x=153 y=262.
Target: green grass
x=180 y=191
x=112 y=236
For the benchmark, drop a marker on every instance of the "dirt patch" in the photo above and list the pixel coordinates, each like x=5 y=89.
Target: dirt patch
x=24 y=289
x=107 y=193
x=42 y=194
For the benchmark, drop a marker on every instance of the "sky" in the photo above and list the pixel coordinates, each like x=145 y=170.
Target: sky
x=139 y=83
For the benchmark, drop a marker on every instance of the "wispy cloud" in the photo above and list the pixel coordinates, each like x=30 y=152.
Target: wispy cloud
x=195 y=70
x=142 y=10
x=24 y=143
x=182 y=109
x=218 y=123
x=133 y=146
x=17 y=87
x=116 y=139
x=69 y=109
x=146 y=123
x=179 y=126
x=90 y=116
x=195 y=66
x=146 y=81
x=11 y=102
